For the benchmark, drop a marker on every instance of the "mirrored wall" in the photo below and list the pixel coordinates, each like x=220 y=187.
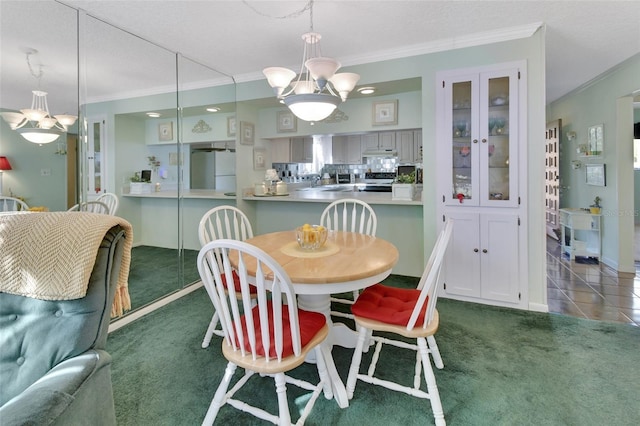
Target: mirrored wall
x=134 y=121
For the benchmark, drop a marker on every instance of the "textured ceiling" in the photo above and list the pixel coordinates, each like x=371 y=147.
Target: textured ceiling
x=239 y=38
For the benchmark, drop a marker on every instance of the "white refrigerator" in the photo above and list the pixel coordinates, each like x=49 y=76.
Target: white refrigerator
x=213 y=170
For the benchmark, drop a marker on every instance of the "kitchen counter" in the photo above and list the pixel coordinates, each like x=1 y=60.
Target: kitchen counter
x=190 y=193
x=326 y=195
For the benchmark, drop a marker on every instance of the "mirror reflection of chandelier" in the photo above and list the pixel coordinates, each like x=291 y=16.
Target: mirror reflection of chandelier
x=36 y=124
x=318 y=90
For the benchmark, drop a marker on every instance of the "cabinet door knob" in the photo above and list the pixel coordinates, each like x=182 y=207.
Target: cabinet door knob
x=484 y=140
x=475 y=141
x=475 y=250
x=484 y=250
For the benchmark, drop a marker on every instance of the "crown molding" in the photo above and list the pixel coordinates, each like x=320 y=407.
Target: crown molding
x=470 y=40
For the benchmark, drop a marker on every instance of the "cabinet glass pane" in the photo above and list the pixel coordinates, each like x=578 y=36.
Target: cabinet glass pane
x=462 y=154
x=97 y=172
x=498 y=131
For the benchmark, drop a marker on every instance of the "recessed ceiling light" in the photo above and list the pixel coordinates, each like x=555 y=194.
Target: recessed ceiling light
x=153 y=114
x=366 y=90
x=213 y=109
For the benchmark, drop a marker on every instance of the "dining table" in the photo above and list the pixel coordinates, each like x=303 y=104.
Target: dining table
x=347 y=261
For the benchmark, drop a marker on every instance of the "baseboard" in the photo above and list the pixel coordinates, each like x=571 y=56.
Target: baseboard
x=139 y=313
x=538 y=307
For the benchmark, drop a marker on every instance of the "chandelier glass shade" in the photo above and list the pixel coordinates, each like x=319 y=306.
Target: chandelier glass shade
x=36 y=124
x=318 y=90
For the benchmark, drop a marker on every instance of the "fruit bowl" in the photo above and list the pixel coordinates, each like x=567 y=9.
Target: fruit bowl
x=311 y=237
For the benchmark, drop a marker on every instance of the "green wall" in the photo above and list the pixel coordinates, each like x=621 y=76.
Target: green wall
x=606 y=100
x=30 y=164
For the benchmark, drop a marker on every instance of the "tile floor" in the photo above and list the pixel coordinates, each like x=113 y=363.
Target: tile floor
x=592 y=291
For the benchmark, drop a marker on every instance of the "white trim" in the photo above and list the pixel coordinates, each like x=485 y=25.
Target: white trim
x=129 y=318
x=470 y=40
x=538 y=307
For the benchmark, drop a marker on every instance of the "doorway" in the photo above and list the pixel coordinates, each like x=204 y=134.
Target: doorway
x=552 y=178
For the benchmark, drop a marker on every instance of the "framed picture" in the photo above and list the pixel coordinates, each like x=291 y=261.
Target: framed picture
x=165 y=131
x=385 y=113
x=174 y=160
x=259 y=159
x=246 y=133
x=287 y=122
x=596 y=174
x=596 y=139
x=231 y=126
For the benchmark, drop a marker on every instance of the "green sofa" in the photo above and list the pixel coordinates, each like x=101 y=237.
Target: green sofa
x=54 y=369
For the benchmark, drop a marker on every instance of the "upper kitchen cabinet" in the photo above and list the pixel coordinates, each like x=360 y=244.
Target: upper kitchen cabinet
x=379 y=141
x=347 y=149
x=409 y=146
x=302 y=150
x=280 y=150
x=478 y=128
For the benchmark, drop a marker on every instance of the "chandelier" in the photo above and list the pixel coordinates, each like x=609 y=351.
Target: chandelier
x=318 y=90
x=36 y=124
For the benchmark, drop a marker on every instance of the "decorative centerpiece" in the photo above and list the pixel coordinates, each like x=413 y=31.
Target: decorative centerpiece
x=311 y=237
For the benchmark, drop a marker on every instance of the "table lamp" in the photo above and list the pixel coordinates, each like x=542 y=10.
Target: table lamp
x=4 y=165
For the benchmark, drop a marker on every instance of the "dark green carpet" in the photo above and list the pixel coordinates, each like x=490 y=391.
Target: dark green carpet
x=502 y=367
x=154 y=273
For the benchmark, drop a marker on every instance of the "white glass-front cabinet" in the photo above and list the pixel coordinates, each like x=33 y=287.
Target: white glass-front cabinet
x=96 y=157
x=481 y=112
x=479 y=124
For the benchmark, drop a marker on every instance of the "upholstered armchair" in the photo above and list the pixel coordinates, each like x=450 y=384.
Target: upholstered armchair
x=54 y=369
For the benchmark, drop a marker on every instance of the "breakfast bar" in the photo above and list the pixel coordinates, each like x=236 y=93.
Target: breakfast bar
x=399 y=222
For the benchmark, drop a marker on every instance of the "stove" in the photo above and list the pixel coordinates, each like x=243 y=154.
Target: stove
x=378 y=181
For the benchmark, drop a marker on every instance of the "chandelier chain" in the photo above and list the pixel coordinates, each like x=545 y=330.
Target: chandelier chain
x=308 y=6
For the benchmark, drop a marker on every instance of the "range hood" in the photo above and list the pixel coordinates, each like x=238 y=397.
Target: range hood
x=213 y=147
x=380 y=153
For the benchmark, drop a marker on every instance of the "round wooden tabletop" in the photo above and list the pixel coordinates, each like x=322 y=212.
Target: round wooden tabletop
x=360 y=260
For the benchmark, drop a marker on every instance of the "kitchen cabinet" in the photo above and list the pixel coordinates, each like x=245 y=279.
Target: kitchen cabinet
x=378 y=141
x=302 y=149
x=581 y=234
x=346 y=149
x=409 y=146
x=370 y=141
x=482 y=258
x=280 y=150
x=480 y=165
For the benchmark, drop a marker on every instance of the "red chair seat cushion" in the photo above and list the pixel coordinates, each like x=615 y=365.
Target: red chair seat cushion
x=390 y=305
x=310 y=324
x=236 y=283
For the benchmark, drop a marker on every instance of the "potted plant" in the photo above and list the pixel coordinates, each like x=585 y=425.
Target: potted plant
x=403 y=187
x=595 y=207
x=138 y=186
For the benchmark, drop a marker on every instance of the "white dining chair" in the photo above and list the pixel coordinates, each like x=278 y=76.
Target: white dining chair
x=352 y=215
x=11 y=204
x=111 y=200
x=266 y=338
x=218 y=223
x=410 y=313
x=91 y=207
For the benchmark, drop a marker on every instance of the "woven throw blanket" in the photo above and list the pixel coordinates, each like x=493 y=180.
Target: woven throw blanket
x=50 y=256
